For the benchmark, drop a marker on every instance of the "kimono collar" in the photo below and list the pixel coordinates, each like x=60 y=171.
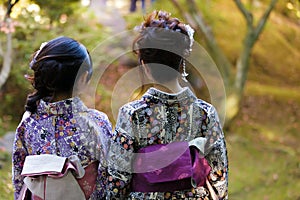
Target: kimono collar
x=64 y=107
x=186 y=95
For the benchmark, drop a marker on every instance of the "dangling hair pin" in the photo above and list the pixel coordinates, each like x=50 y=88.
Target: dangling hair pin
x=184 y=74
x=190 y=31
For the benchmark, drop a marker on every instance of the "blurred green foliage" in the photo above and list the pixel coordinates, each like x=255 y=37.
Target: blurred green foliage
x=81 y=25
x=54 y=10
x=6 y=189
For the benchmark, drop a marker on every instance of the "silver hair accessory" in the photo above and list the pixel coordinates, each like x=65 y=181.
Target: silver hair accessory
x=184 y=74
x=190 y=31
x=37 y=53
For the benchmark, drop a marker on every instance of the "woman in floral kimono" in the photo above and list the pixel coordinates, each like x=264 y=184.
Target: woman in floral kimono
x=56 y=121
x=166 y=113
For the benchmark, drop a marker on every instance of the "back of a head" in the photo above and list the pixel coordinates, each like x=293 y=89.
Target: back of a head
x=162 y=44
x=56 y=65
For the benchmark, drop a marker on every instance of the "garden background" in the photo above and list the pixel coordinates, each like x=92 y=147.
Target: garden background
x=262 y=139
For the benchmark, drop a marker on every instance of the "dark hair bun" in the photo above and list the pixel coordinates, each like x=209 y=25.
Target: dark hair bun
x=161 y=30
x=162 y=40
x=56 y=66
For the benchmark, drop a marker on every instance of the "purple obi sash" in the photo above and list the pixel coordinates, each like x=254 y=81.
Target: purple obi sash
x=168 y=167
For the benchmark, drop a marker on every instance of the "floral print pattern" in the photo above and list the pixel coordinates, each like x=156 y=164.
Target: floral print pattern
x=63 y=128
x=159 y=118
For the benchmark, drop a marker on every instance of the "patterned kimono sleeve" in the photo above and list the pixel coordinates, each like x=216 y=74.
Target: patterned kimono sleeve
x=216 y=154
x=103 y=139
x=18 y=157
x=119 y=157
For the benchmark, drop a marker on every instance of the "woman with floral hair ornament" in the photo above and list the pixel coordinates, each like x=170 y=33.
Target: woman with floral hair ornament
x=166 y=113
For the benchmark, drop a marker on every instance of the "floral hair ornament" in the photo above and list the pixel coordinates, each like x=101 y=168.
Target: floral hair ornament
x=190 y=31
x=36 y=54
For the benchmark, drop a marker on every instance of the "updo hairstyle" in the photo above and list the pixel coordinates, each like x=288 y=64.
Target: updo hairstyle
x=163 y=43
x=56 y=66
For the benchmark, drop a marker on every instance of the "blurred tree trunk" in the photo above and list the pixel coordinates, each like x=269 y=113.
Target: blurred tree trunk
x=234 y=80
x=7 y=53
x=6 y=66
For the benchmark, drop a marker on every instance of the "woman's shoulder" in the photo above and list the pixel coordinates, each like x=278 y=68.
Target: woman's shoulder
x=27 y=121
x=133 y=106
x=207 y=107
x=98 y=115
x=100 y=120
x=211 y=111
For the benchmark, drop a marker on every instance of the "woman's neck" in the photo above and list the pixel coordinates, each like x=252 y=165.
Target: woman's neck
x=169 y=87
x=61 y=96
